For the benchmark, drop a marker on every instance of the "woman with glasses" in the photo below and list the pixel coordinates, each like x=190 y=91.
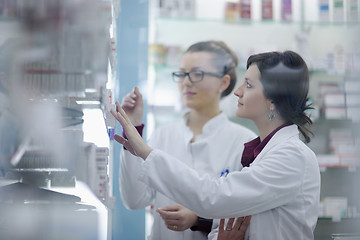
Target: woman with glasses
x=281 y=187
x=205 y=140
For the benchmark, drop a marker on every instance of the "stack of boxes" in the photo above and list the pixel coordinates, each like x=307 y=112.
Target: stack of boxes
x=94 y=169
x=340 y=100
x=101 y=161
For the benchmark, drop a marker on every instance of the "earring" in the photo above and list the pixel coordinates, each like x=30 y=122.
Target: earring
x=271 y=116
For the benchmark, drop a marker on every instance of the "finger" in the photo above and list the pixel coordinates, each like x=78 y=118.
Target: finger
x=124 y=118
x=132 y=97
x=114 y=114
x=230 y=223
x=128 y=104
x=174 y=227
x=128 y=99
x=120 y=117
x=238 y=223
x=221 y=225
x=245 y=224
x=163 y=213
x=171 y=208
x=120 y=139
x=138 y=93
x=125 y=143
x=167 y=215
x=171 y=222
x=117 y=106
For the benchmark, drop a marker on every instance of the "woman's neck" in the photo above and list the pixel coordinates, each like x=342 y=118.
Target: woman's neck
x=266 y=127
x=197 y=119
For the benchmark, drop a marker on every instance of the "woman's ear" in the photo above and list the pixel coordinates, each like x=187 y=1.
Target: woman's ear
x=270 y=104
x=225 y=82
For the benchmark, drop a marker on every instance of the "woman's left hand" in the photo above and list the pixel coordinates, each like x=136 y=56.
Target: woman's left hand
x=177 y=217
x=135 y=143
x=233 y=231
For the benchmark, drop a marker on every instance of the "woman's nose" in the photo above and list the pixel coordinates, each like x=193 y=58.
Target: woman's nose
x=187 y=81
x=238 y=92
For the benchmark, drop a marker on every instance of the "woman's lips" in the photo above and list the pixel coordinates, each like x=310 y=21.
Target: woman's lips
x=189 y=94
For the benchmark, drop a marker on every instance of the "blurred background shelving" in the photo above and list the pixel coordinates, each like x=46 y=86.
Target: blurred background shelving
x=56 y=74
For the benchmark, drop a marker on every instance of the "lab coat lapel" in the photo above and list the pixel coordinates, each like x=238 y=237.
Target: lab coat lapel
x=281 y=136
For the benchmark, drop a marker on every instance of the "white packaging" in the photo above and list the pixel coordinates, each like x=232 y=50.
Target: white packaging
x=102 y=151
x=352 y=86
x=335 y=113
x=334 y=100
x=335 y=207
x=338 y=10
x=324 y=13
x=353 y=113
x=326 y=160
x=110 y=120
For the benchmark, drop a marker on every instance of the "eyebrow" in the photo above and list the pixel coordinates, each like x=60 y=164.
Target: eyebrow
x=192 y=69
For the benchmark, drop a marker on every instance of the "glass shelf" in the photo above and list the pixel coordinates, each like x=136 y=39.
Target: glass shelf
x=342 y=219
x=250 y=21
x=343 y=236
x=324 y=168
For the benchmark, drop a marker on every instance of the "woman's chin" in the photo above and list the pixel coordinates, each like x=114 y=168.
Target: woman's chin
x=240 y=115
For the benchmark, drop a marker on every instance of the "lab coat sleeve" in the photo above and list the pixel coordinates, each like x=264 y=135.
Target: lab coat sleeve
x=214 y=230
x=261 y=187
x=135 y=194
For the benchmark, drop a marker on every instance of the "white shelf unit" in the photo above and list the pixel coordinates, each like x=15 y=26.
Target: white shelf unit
x=56 y=100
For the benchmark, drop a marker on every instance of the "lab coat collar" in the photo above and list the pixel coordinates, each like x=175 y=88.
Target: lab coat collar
x=210 y=126
x=279 y=137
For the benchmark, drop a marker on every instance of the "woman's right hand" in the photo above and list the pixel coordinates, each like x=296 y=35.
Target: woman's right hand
x=233 y=231
x=133 y=105
x=135 y=143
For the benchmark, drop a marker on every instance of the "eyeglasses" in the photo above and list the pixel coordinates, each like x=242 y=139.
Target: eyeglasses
x=195 y=76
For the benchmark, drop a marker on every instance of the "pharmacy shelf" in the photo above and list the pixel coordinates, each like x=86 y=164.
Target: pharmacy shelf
x=324 y=168
x=250 y=21
x=344 y=236
x=342 y=219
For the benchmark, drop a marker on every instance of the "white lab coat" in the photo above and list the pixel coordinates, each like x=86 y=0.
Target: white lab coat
x=281 y=188
x=218 y=148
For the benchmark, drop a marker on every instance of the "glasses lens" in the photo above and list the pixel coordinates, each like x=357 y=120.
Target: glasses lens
x=196 y=76
x=178 y=76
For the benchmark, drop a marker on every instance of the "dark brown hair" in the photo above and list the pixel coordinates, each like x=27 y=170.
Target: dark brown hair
x=285 y=77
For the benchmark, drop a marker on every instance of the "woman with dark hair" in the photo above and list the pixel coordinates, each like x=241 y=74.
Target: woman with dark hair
x=281 y=187
x=204 y=139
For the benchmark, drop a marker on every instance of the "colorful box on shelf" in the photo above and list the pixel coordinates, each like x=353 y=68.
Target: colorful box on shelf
x=266 y=9
x=324 y=13
x=245 y=9
x=338 y=10
x=232 y=11
x=176 y=8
